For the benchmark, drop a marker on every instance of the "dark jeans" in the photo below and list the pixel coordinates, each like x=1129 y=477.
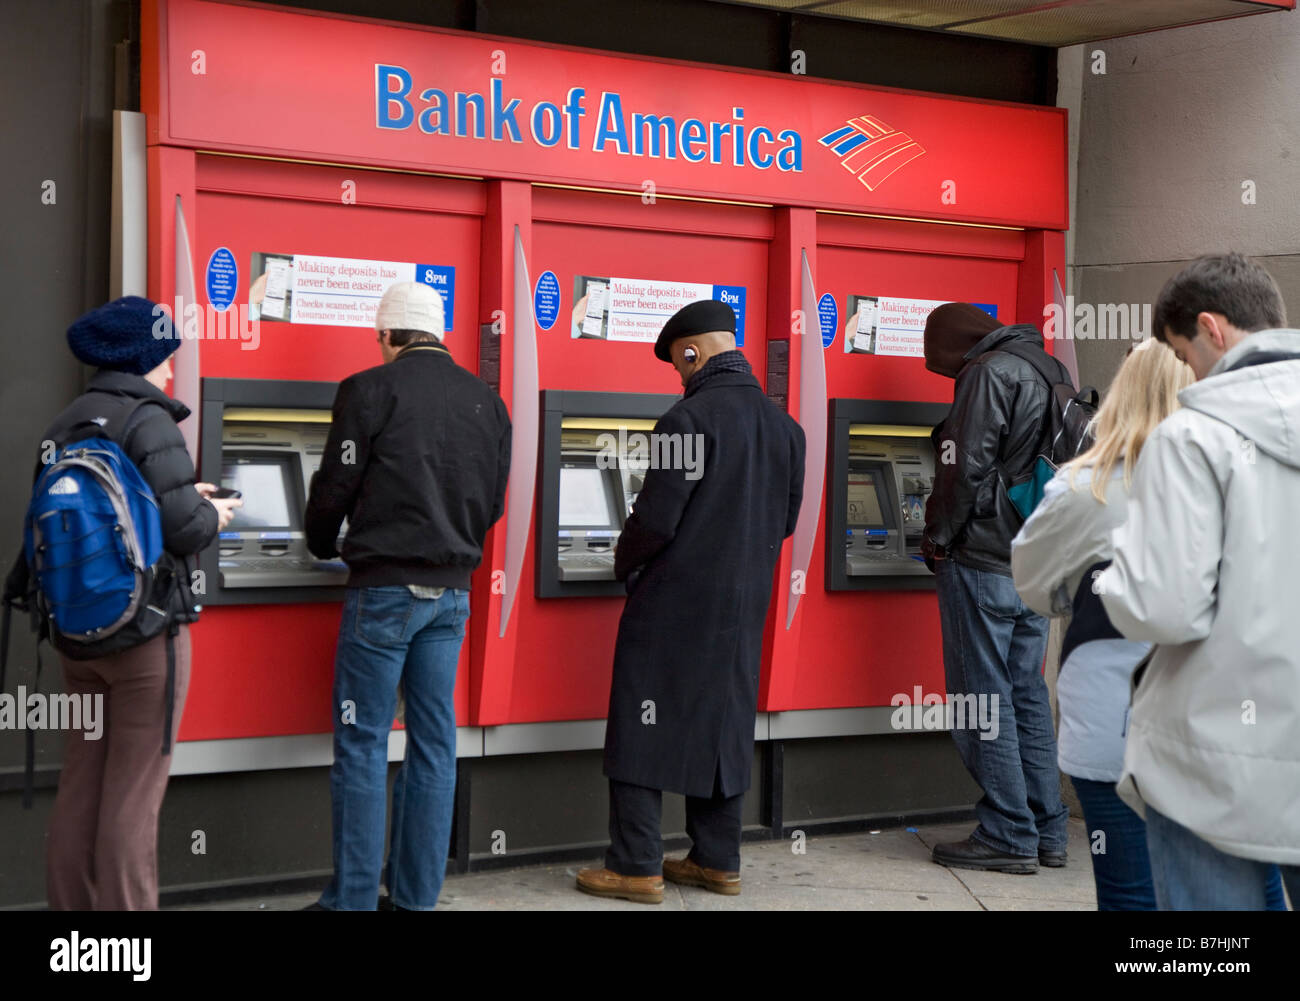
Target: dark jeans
x=1121 y=865
x=993 y=646
x=636 y=842
x=1190 y=874
x=1117 y=838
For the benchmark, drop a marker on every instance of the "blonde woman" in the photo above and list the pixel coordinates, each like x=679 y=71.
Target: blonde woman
x=1054 y=560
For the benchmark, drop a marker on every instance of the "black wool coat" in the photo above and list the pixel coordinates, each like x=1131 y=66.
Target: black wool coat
x=702 y=552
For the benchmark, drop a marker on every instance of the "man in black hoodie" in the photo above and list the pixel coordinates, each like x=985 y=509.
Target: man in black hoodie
x=417 y=460
x=993 y=645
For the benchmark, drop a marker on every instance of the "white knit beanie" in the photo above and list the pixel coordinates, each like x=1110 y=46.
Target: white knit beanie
x=411 y=306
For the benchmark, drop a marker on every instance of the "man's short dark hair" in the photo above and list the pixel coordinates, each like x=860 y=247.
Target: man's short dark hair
x=1229 y=284
x=401 y=338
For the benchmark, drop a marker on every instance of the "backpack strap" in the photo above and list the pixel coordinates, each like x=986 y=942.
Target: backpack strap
x=170 y=691
x=29 y=761
x=1038 y=360
x=5 y=616
x=122 y=420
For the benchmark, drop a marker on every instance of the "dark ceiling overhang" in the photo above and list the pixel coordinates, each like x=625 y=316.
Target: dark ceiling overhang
x=1034 y=22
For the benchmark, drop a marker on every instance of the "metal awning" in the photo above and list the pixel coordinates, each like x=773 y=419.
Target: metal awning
x=1036 y=22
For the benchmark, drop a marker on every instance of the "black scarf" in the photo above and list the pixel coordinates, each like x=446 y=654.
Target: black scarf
x=727 y=361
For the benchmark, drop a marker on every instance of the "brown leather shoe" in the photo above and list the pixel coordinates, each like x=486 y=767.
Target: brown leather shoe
x=605 y=883
x=688 y=873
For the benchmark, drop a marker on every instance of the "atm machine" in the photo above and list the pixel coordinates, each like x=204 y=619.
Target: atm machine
x=592 y=512
x=595 y=454
x=266 y=438
x=882 y=467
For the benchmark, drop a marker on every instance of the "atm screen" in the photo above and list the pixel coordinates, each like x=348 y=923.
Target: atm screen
x=268 y=496
x=864 y=509
x=585 y=500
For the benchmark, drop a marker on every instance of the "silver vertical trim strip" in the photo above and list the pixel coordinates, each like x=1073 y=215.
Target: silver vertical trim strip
x=812 y=418
x=524 y=420
x=185 y=362
x=128 y=259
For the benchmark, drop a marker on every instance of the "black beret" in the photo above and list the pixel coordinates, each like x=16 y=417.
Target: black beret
x=700 y=317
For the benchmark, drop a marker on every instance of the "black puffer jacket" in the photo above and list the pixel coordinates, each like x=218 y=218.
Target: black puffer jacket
x=988 y=440
x=154 y=443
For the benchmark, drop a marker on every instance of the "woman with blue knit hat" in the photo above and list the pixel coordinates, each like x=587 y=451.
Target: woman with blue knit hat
x=102 y=845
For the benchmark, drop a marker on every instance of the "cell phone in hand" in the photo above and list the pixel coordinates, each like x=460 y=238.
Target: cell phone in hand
x=224 y=493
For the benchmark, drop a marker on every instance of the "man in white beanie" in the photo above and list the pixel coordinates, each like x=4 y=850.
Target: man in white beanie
x=417 y=459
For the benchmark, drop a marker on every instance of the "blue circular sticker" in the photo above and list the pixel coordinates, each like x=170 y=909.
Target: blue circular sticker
x=223 y=279
x=828 y=315
x=546 y=300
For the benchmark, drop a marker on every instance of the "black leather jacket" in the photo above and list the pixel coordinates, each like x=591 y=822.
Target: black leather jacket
x=987 y=441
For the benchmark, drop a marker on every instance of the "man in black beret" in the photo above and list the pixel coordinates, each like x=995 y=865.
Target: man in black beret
x=698 y=553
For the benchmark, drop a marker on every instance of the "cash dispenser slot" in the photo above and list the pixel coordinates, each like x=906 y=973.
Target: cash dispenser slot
x=881 y=475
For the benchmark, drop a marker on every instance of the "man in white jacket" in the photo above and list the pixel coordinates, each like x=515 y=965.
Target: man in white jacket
x=1205 y=567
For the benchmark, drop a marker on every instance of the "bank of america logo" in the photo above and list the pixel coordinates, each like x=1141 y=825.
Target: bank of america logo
x=870 y=150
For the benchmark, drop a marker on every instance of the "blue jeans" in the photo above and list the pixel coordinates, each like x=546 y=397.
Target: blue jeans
x=994 y=646
x=1117 y=838
x=1190 y=874
x=389 y=635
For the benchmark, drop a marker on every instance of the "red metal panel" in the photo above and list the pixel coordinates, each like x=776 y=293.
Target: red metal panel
x=267 y=670
x=858 y=648
x=494 y=657
x=349 y=90
x=566 y=646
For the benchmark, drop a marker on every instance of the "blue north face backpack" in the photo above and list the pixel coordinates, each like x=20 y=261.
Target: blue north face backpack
x=92 y=536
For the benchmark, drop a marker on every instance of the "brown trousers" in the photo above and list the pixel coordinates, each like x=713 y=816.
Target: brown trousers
x=102 y=848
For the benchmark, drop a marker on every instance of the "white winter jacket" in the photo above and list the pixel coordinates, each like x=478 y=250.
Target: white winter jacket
x=1208 y=567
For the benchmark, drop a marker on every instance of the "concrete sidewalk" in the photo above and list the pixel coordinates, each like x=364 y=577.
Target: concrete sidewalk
x=888 y=870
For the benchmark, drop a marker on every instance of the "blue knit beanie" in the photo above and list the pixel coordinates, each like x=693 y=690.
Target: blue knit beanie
x=120 y=335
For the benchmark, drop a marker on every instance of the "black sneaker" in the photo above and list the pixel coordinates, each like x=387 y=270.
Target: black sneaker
x=972 y=854
x=1053 y=860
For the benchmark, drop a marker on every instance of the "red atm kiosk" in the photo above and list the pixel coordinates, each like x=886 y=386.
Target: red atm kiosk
x=565 y=202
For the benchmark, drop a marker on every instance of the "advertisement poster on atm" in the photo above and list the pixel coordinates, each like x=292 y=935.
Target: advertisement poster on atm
x=336 y=291
x=636 y=309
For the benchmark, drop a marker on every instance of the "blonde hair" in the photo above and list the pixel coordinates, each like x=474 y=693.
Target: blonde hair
x=1143 y=393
